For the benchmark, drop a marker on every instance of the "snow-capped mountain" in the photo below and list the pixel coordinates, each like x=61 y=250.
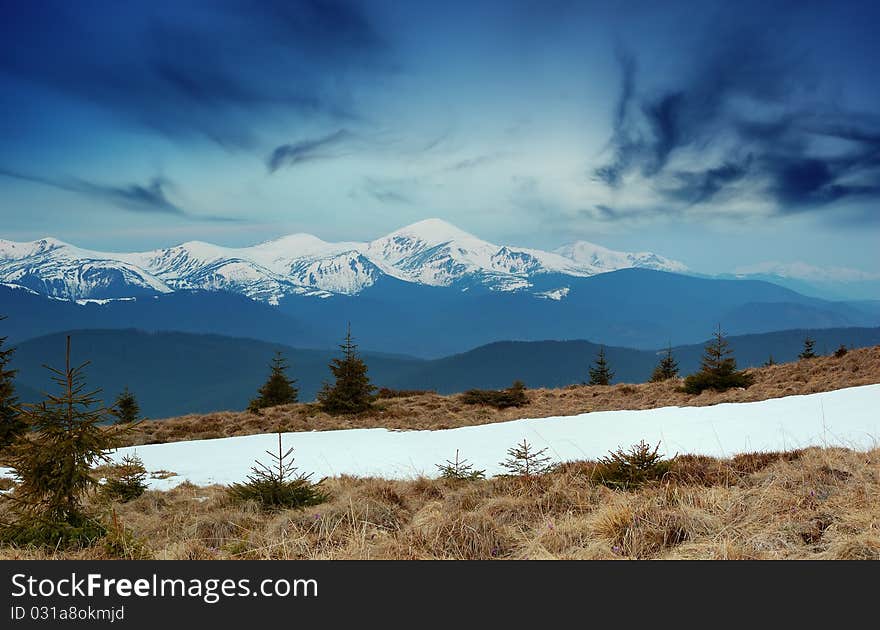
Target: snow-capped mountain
x=601 y=259
x=56 y=269
x=431 y=252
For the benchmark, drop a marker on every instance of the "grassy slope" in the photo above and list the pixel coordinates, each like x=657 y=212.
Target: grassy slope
x=818 y=503
x=815 y=503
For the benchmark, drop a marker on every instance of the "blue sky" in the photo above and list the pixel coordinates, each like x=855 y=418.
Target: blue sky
x=721 y=134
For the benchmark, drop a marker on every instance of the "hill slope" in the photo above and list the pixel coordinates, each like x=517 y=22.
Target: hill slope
x=433 y=411
x=174 y=373
x=178 y=373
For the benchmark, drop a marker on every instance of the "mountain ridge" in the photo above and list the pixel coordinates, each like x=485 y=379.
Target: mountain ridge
x=431 y=252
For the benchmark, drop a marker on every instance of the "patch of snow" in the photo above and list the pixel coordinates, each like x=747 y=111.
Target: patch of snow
x=556 y=294
x=846 y=417
x=105 y=301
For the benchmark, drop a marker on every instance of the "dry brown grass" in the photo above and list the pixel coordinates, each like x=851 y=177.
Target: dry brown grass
x=815 y=503
x=432 y=411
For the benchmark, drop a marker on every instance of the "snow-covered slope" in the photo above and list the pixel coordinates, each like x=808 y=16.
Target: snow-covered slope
x=430 y=252
x=601 y=259
x=845 y=417
x=60 y=270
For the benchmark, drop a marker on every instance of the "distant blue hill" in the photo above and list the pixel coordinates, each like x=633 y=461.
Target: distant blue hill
x=633 y=308
x=178 y=373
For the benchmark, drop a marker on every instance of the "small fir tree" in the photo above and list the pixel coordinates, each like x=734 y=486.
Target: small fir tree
x=666 y=369
x=128 y=480
x=522 y=461
x=632 y=468
x=808 y=352
x=460 y=470
x=352 y=392
x=278 y=485
x=11 y=423
x=841 y=351
x=55 y=468
x=717 y=368
x=126 y=408
x=600 y=373
x=278 y=389
x=770 y=361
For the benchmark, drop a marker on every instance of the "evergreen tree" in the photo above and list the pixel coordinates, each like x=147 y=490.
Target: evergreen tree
x=601 y=374
x=128 y=480
x=352 y=392
x=126 y=408
x=522 y=461
x=717 y=368
x=666 y=369
x=55 y=468
x=807 y=352
x=278 y=389
x=278 y=485
x=460 y=470
x=770 y=361
x=841 y=351
x=11 y=424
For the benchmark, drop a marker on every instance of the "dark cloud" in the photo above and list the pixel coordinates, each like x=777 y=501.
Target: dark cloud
x=147 y=198
x=386 y=192
x=328 y=146
x=693 y=187
x=218 y=70
x=740 y=110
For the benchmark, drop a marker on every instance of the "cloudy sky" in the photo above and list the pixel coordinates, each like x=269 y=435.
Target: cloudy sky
x=721 y=134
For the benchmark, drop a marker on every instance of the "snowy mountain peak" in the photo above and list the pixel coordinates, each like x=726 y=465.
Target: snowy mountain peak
x=603 y=259
x=430 y=252
x=433 y=231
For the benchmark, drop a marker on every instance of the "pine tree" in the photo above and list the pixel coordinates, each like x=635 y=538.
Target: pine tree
x=770 y=361
x=278 y=485
x=128 y=480
x=278 y=389
x=841 y=351
x=601 y=374
x=522 y=461
x=807 y=352
x=352 y=392
x=11 y=424
x=666 y=369
x=126 y=408
x=717 y=368
x=55 y=468
x=460 y=470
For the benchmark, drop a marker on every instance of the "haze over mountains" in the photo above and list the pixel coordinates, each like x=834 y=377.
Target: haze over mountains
x=178 y=373
x=428 y=290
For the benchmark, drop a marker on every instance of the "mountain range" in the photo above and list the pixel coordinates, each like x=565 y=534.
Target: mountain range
x=430 y=252
x=427 y=290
